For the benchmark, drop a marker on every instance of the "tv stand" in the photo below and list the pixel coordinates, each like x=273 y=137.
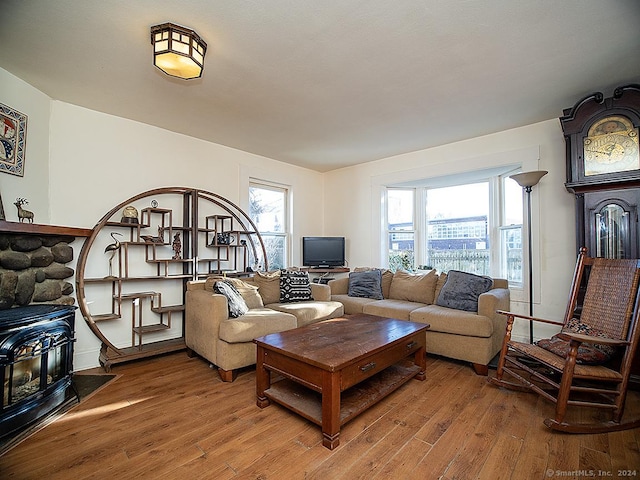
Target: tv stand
x=320 y=273
x=326 y=269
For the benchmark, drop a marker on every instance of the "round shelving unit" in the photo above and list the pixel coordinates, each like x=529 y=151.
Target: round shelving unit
x=133 y=269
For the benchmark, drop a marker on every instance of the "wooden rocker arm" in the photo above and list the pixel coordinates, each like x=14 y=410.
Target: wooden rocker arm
x=589 y=339
x=511 y=315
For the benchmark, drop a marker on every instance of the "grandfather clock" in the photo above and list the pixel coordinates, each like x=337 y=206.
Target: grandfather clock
x=603 y=171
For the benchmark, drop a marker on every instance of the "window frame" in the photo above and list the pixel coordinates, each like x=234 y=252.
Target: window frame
x=415 y=219
x=286 y=220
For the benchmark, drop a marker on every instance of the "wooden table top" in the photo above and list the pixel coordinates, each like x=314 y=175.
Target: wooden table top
x=332 y=344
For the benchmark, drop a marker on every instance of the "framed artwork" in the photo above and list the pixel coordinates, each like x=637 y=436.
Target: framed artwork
x=13 y=138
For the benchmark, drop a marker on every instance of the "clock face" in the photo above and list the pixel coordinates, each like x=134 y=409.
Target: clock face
x=610 y=146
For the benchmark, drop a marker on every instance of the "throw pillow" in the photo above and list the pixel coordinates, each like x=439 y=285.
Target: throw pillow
x=576 y=326
x=588 y=353
x=387 y=278
x=250 y=295
x=268 y=286
x=414 y=287
x=237 y=306
x=249 y=292
x=294 y=286
x=442 y=278
x=366 y=284
x=462 y=289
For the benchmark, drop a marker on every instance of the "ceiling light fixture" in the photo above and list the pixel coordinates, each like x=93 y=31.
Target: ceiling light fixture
x=178 y=51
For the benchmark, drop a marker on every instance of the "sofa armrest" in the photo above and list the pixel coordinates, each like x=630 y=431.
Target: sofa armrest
x=493 y=300
x=339 y=286
x=320 y=292
x=195 y=285
x=204 y=311
x=500 y=283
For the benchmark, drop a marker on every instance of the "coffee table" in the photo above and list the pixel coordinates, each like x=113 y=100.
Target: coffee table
x=333 y=370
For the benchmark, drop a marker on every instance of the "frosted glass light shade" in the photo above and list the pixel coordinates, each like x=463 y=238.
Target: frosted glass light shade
x=178 y=51
x=528 y=179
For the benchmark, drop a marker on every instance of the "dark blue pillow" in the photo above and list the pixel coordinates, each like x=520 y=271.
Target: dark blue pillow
x=462 y=289
x=367 y=284
x=237 y=305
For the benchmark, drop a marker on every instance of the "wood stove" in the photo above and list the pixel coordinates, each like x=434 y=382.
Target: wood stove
x=36 y=363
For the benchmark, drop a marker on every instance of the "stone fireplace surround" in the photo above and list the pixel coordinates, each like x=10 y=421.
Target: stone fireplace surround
x=33 y=264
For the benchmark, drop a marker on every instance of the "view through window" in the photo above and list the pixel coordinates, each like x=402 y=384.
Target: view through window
x=268 y=208
x=457 y=220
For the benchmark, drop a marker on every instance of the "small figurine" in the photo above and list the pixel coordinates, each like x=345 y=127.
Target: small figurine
x=151 y=239
x=22 y=213
x=177 y=246
x=113 y=248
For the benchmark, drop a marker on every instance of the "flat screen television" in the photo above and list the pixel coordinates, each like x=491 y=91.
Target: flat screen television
x=323 y=252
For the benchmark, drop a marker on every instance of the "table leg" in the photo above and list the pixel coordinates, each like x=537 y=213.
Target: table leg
x=330 y=409
x=263 y=379
x=420 y=359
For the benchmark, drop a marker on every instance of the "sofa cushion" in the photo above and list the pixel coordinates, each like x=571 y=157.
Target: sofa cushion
x=462 y=289
x=255 y=323
x=352 y=305
x=413 y=287
x=235 y=302
x=456 y=322
x=248 y=291
x=268 y=286
x=310 y=312
x=294 y=286
x=391 y=308
x=387 y=278
x=367 y=284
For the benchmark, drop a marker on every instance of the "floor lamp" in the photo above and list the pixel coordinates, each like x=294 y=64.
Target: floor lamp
x=528 y=180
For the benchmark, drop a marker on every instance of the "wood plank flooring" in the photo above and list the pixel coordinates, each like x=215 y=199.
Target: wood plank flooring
x=171 y=417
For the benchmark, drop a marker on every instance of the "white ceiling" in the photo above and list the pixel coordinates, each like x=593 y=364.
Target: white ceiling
x=328 y=83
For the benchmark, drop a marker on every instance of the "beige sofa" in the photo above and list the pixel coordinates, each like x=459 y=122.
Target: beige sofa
x=472 y=336
x=228 y=342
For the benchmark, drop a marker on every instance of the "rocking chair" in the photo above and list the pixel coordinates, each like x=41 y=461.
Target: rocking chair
x=588 y=363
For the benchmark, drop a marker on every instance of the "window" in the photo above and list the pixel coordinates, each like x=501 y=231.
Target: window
x=470 y=222
x=401 y=228
x=269 y=210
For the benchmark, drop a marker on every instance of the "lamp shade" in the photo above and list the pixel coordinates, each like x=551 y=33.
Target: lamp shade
x=178 y=51
x=528 y=179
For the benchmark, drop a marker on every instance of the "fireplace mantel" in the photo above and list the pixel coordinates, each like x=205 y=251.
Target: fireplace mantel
x=39 y=229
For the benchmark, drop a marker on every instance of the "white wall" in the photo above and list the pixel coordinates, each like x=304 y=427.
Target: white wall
x=553 y=264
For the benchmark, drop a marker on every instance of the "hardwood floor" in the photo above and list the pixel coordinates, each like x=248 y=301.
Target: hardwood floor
x=171 y=417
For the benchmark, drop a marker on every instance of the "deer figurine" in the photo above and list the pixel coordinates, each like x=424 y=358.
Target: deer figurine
x=22 y=213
